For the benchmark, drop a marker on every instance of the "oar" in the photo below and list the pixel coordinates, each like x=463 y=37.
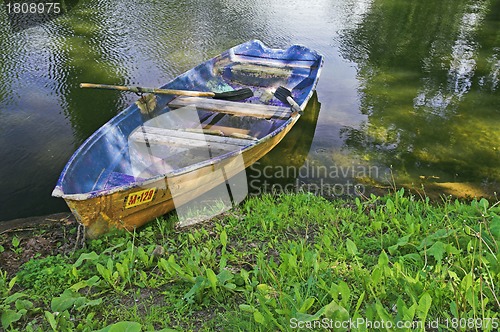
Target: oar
x=285 y=96
x=228 y=95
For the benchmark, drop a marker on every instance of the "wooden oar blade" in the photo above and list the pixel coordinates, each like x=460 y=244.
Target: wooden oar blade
x=234 y=95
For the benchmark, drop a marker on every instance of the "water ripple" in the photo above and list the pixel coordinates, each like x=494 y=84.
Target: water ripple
x=44 y=115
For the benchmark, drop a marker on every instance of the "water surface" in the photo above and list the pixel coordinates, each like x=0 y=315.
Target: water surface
x=407 y=86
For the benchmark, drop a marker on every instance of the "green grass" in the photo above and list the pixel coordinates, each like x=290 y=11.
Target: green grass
x=276 y=263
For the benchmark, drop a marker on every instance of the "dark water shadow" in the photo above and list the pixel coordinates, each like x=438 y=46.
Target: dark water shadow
x=278 y=170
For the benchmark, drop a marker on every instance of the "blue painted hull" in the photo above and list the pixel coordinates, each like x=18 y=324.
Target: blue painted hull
x=100 y=175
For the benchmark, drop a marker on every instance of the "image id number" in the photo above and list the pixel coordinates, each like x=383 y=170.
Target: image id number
x=33 y=8
x=473 y=323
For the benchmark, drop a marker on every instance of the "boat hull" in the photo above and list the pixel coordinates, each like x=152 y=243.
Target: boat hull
x=101 y=214
x=100 y=183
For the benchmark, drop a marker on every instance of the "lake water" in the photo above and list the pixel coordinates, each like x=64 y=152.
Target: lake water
x=409 y=90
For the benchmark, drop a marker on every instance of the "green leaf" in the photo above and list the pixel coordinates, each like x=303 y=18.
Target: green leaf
x=24 y=304
x=390 y=206
x=336 y=312
x=466 y=282
x=382 y=313
x=212 y=278
x=263 y=289
x=14 y=297
x=484 y=204
x=92 y=256
x=327 y=241
x=404 y=240
x=454 y=309
x=451 y=250
x=410 y=313
x=65 y=301
x=110 y=264
x=437 y=250
x=360 y=301
x=495 y=227
x=122 y=327
x=10 y=316
x=439 y=234
x=358 y=203
x=12 y=282
x=405 y=313
x=16 y=242
x=306 y=305
x=223 y=238
x=453 y=275
x=383 y=259
x=172 y=265
x=224 y=276
x=123 y=269
x=197 y=287
x=85 y=283
x=292 y=261
x=352 y=249
x=259 y=318
x=376 y=275
x=306 y=317
x=223 y=262
x=424 y=305
x=471 y=297
x=51 y=319
x=393 y=249
x=230 y=286
x=345 y=292
x=104 y=272
x=126 y=327
x=88 y=303
x=113 y=248
x=247 y=308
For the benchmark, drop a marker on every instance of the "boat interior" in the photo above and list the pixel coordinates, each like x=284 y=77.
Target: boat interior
x=160 y=134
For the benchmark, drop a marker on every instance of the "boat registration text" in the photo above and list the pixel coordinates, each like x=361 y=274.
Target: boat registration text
x=140 y=197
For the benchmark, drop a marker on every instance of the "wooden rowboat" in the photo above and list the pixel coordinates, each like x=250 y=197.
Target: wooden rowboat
x=165 y=150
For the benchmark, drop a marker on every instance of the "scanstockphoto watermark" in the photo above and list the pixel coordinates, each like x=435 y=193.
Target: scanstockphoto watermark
x=322 y=188
x=358 y=323
x=362 y=323
x=312 y=171
x=323 y=180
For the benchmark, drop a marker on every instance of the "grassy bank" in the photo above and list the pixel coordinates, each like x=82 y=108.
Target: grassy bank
x=275 y=263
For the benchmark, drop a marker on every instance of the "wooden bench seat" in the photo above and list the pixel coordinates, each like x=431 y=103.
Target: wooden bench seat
x=257 y=70
x=155 y=135
x=270 y=62
x=232 y=107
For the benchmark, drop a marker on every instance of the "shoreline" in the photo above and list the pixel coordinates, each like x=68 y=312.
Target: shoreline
x=22 y=224
x=434 y=190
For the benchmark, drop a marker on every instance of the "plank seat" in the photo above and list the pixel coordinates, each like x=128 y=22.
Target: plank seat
x=232 y=107
x=181 y=138
x=258 y=70
x=297 y=63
